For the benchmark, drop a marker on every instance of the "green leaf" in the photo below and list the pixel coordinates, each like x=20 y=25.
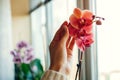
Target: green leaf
x=32 y=71
x=26 y=70
x=37 y=68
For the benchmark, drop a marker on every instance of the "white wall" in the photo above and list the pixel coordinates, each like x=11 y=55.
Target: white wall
x=6 y=64
x=20 y=21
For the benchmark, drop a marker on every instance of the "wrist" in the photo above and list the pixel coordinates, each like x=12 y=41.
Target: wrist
x=61 y=69
x=55 y=68
x=58 y=68
x=54 y=75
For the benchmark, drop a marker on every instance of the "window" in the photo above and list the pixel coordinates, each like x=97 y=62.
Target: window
x=38 y=31
x=108 y=40
x=104 y=53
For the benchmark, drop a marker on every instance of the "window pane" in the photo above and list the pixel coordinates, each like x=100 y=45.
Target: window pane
x=39 y=33
x=62 y=9
x=35 y=3
x=109 y=40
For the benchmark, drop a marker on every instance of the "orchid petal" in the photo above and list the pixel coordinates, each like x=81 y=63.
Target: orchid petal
x=13 y=53
x=74 y=21
x=22 y=44
x=88 y=29
x=17 y=60
x=72 y=31
x=88 y=42
x=28 y=59
x=77 y=12
x=80 y=44
x=87 y=14
x=88 y=39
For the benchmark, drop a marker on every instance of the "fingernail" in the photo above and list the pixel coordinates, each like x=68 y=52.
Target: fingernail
x=64 y=28
x=65 y=23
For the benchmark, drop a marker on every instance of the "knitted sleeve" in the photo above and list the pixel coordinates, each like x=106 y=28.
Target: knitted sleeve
x=53 y=75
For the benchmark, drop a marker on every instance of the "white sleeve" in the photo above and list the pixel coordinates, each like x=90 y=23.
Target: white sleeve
x=53 y=75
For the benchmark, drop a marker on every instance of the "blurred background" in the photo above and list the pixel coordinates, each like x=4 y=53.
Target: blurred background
x=33 y=21
x=36 y=21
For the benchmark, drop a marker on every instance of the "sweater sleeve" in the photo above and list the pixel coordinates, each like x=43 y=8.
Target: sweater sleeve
x=53 y=75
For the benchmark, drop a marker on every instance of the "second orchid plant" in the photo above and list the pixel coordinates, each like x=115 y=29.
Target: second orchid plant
x=27 y=67
x=80 y=27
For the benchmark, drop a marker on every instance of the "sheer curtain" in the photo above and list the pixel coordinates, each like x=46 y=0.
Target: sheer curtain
x=6 y=65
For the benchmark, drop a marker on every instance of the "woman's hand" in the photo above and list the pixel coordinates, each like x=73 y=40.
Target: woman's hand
x=61 y=49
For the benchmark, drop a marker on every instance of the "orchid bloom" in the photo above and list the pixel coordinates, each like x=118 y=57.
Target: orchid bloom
x=23 y=53
x=80 y=19
x=80 y=27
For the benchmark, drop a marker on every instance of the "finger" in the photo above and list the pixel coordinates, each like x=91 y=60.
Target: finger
x=56 y=37
x=64 y=34
x=57 y=34
x=71 y=44
x=67 y=43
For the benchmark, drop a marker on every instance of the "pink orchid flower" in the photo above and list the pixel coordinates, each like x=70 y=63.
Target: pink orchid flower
x=80 y=27
x=80 y=19
x=84 y=41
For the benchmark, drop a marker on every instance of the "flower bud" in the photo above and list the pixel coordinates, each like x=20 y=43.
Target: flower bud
x=98 y=22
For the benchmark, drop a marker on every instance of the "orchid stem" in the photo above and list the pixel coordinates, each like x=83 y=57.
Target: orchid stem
x=79 y=66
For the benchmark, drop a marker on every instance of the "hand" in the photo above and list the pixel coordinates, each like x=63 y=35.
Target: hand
x=61 y=49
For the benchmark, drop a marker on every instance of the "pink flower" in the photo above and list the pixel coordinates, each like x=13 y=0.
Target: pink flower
x=23 y=53
x=84 y=41
x=80 y=27
x=28 y=58
x=22 y=44
x=73 y=31
x=13 y=53
x=17 y=60
x=80 y=18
